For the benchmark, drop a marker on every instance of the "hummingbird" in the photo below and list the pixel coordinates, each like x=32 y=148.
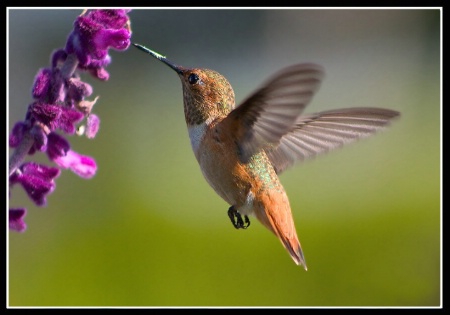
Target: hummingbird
x=243 y=149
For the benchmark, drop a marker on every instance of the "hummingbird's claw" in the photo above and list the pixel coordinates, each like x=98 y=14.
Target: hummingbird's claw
x=247 y=221
x=236 y=219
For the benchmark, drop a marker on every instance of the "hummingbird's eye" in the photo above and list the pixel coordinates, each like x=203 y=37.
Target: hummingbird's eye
x=193 y=78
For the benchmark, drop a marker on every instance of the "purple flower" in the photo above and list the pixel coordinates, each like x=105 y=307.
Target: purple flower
x=57 y=147
x=16 y=219
x=78 y=89
x=81 y=165
x=36 y=179
x=95 y=32
x=54 y=116
x=60 y=104
x=17 y=134
x=92 y=126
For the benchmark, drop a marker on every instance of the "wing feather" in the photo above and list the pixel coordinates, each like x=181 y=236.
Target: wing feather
x=321 y=132
x=272 y=111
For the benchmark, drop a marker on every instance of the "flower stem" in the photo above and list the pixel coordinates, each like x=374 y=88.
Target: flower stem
x=20 y=152
x=69 y=66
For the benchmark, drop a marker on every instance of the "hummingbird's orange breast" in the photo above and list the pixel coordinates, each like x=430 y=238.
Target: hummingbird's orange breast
x=219 y=162
x=237 y=183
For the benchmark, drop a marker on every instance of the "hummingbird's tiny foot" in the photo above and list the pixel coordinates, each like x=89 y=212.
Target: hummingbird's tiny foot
x=236 y=219
x=247 y=221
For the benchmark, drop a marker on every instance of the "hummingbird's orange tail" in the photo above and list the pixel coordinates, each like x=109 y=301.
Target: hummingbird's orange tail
x=281 y=223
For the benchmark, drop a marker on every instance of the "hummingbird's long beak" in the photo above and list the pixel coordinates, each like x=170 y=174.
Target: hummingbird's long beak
x=178 y=69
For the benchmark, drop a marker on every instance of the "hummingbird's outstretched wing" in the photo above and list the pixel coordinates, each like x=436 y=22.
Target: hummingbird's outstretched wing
x=321 y=132
x=272 y=111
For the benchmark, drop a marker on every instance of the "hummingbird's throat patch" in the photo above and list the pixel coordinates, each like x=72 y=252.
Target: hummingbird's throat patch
x=196 y=133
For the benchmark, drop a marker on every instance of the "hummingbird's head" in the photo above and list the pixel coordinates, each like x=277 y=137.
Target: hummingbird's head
x=206 y=93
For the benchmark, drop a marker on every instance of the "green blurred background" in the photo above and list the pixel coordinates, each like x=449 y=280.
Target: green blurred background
x=147 y=230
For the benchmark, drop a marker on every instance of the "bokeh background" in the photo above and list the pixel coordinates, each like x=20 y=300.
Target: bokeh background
x=147 y=230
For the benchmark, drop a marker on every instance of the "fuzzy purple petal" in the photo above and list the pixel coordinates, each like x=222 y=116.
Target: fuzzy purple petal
x=99 y=73
x=46 y=114
x=37 y=189
x=17 y=134
x=111 y=18
x=42 y=83
x=81 y=165
x=57 y=146
x=92 y=126
x=37 y=181
x=16 y=221
x=54 y=116
x=78 y=89
x=68 y=120
x=100 y=63
x=118 y=39
x=44 y=172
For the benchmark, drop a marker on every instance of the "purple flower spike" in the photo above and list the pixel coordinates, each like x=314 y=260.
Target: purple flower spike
x=81 y=165
x=60 y=104
x=37 y=180
x=16 y=221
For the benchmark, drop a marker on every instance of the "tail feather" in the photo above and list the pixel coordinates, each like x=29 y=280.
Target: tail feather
x=281 y=223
